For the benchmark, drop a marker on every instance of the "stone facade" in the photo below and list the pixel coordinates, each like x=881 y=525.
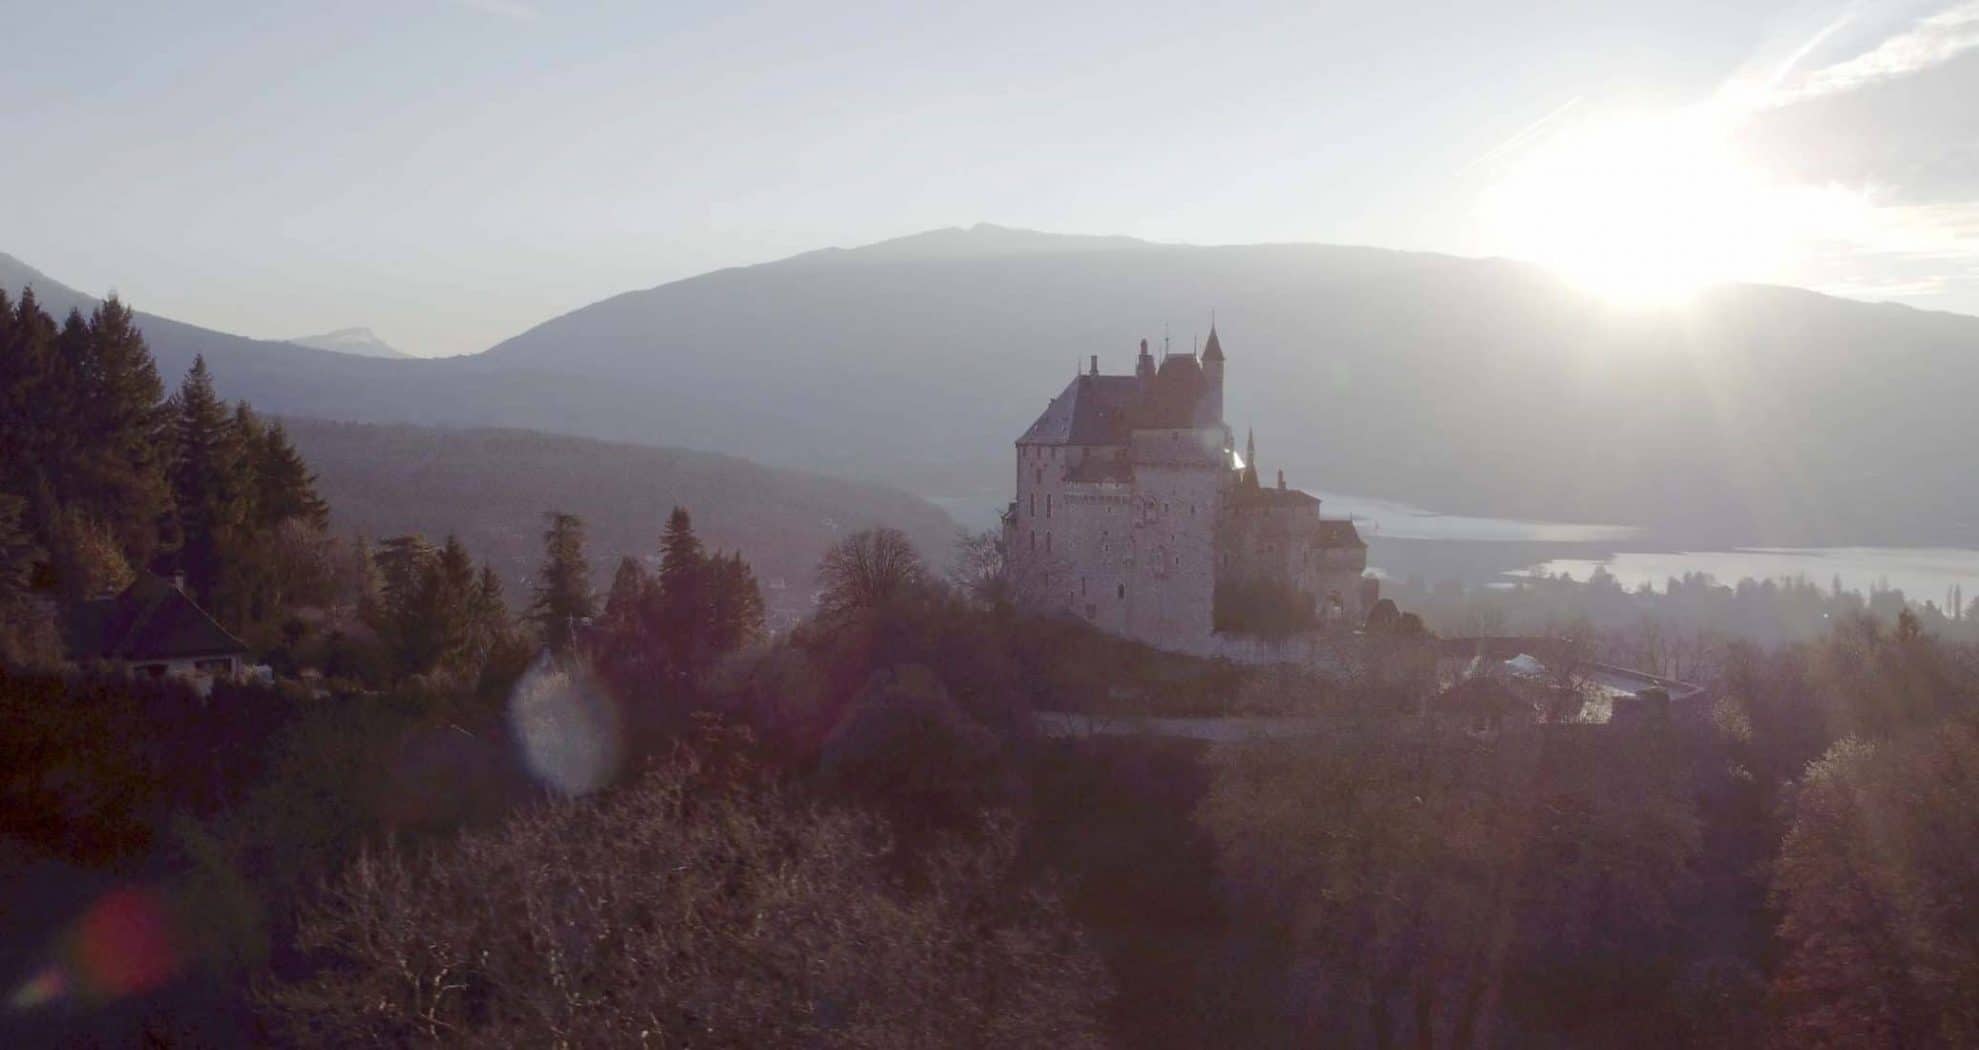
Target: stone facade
x=1133 y=505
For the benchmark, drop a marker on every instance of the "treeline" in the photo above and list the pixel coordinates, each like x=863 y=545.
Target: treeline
x=102 y=475
x=1673 y=621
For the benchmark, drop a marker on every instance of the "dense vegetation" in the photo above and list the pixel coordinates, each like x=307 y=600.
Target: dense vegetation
x=638 y=815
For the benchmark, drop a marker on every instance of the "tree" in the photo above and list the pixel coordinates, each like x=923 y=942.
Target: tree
x=209 y=480
x=563 y=589
x=1878 y=897
x=1420 y=874
x=735 y=605
x=679 y=620
x=121 y=468
x=691 y=908
x=286 y=490
x=868 y=570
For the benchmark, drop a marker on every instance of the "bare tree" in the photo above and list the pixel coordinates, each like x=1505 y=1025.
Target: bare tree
x=867 y=570
x=690 y=909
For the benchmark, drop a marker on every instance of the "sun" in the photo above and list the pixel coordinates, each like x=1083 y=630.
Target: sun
x=1643 y=210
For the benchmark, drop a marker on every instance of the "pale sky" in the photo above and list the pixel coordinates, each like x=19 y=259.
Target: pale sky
x=450 y=172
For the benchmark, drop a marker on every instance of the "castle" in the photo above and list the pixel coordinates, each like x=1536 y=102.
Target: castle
x=1136 y=513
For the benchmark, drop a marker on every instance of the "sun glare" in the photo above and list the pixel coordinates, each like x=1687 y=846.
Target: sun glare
x=1642 y=210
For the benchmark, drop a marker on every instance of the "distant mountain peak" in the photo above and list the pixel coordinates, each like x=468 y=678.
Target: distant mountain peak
x=360 y=341
x=982 y=240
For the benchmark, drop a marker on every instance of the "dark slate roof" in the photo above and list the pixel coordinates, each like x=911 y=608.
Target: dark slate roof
x=1212 y=350
x=150 y=620
x=1339 y=532
x=1093 y=410
x=1175 y=398
x=1248 y=493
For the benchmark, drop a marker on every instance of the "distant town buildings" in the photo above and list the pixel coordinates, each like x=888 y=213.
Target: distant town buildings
x=1136 y=513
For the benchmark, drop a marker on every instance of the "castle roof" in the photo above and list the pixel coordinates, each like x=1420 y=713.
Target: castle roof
x=150 y=620
x=1212 y=350
x=1339 y=532
x=1092 y=410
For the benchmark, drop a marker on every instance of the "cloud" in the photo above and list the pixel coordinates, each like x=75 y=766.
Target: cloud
x=515 y=10
x=1931 y=42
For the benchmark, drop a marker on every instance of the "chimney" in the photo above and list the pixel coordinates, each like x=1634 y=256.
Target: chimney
x=1095 y=364
x=1281 y=479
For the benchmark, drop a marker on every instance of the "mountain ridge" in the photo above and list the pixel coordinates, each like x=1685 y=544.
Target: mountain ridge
x=1759 y=415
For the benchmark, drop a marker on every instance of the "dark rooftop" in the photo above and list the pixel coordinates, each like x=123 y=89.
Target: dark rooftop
x=150 y=620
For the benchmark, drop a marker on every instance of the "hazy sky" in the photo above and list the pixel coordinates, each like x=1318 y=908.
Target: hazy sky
x=451 y=172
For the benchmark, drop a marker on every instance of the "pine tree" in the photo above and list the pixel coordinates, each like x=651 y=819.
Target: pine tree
x=287 y=488
x=405 y=570
x=207 y=480
x=487 y=614
x=735 y=607
x=625 y=604
x=122 y=417
x=451 y=590
x=36 y=401
x=680 y=621
x=563 y=592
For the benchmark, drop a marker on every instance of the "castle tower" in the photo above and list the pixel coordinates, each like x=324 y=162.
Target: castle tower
x=1213 y=373
x=1144 y=364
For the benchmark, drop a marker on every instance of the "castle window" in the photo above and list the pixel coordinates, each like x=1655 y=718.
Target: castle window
x=1034 y=543
x=1120 y=592
x=1047 y=543
x=1034 y=504
x=1047 y=504
x=1082 y=586
x=1037 y=475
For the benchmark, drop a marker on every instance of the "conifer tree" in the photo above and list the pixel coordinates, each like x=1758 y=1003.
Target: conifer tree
x=735 y=607
x=680 y=621
x=207 y=479
x=122 y=421
x=563 y=589
x=451 y=590
x=488 y=613
x=625 y=603
x=36 y=399
x=287 y=488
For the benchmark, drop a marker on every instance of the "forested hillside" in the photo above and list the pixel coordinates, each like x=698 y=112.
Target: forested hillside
x=490 y=487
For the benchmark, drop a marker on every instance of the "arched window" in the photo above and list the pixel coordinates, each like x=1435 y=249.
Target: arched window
x=1120 y=592
x=1047 y=504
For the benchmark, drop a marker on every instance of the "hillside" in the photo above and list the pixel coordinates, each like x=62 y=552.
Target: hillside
x=1758 y=415
x=1471 y=386
x=491 y=487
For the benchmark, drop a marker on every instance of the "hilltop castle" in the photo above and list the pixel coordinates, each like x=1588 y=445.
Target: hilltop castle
x=1136 y=513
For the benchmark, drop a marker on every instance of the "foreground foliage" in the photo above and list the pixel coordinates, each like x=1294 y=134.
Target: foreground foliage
x=690 y=908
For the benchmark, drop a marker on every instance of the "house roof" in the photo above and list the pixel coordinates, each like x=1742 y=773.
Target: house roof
x=150 y=620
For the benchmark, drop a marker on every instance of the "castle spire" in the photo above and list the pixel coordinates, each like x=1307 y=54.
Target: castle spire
x=1250 y=446
x=1212 y=350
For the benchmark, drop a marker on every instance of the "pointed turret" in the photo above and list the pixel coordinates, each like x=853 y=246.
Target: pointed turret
x=1213 y=372
x=1144 y=364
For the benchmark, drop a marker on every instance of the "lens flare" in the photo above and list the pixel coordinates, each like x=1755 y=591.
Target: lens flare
x=567 y=725
x=124 y=945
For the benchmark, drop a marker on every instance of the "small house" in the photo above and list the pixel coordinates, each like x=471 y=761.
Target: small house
x=154 y=629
